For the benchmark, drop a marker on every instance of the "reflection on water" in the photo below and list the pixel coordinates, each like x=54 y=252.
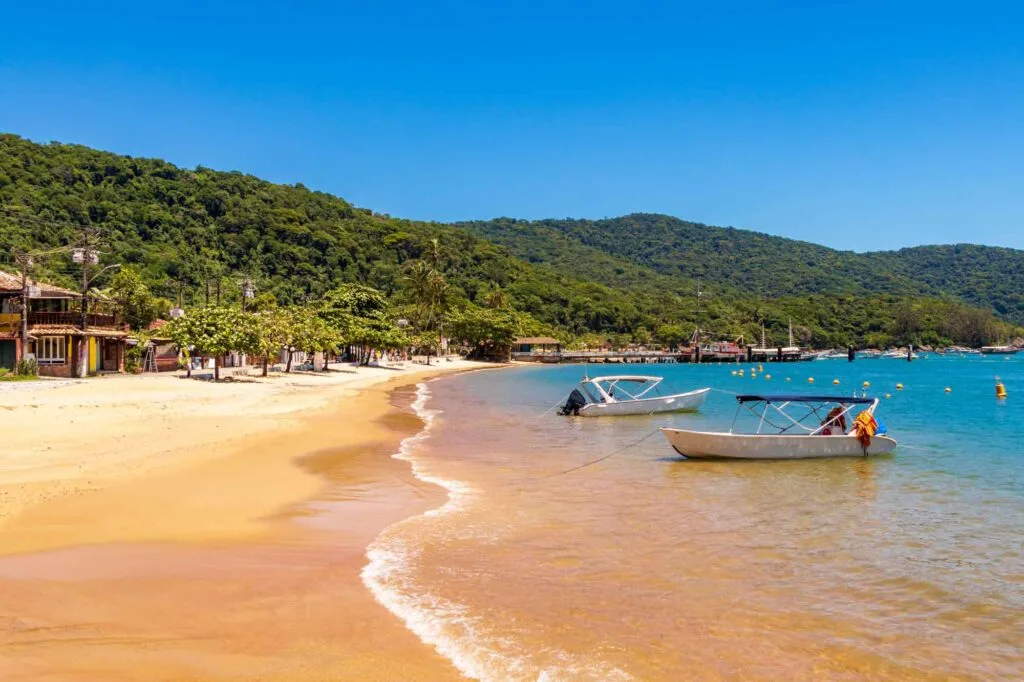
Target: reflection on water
x=648 y=566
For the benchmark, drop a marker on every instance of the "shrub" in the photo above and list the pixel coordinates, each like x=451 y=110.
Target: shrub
x=27 y=367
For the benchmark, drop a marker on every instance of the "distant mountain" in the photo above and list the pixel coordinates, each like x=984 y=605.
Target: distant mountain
x=764 y=265
x=194 y=232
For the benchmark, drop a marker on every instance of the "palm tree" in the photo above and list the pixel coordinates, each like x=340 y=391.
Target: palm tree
x=429 y=291
x=496 y=298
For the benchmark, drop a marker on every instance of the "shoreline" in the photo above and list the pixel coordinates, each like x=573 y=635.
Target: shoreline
x=157 y=561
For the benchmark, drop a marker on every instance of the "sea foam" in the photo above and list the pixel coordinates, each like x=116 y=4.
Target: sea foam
x=452 y=628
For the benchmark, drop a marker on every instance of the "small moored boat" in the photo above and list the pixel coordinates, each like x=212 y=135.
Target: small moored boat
x=818 y=429
x=619 y=395
x=899 y=354
x=999 y=350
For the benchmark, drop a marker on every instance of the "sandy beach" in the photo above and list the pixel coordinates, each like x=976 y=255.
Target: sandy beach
x=154 y=528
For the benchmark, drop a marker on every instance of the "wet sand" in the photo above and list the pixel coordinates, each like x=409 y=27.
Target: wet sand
x=236 y=559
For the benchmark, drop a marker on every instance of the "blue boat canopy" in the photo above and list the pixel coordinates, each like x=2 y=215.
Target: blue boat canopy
x=794 y=398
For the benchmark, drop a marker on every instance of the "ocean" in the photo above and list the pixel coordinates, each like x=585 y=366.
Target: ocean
x=647 y=566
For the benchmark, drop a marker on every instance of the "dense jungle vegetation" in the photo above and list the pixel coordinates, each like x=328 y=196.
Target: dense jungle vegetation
x=200 y=234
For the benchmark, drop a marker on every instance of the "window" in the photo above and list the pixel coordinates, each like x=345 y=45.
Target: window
x=50 y=350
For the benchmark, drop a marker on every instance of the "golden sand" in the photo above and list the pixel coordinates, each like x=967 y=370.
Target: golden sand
x=160 y=529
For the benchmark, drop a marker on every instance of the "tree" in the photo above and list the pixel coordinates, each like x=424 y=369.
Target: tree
x=671 y=335
x=496 y=298
x=274 y=331
x=359 y=314
x=642 y=336
x=378 y=333
x=312 y=334
x=906 y=323
x=216 y=332
x=429 y=292
x=489 y=332
x=130 y=294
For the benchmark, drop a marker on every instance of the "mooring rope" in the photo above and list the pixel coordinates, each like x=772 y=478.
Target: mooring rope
x=599 y=459
x=557 y=403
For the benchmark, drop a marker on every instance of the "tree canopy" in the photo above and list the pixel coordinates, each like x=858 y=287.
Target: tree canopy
x=202 y=233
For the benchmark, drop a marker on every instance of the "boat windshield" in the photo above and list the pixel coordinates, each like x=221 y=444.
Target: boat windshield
x=592 y=394
x=799 y=414
x=620 y=388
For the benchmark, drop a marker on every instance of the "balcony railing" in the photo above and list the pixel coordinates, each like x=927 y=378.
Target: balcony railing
x=72 y=319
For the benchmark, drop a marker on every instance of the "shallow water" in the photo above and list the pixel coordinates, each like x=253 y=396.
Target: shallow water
x=651 y=567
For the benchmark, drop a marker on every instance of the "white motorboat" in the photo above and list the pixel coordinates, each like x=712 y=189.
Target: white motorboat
x=961 y=351
x=999 y=350
x=614 y=396
x=819 y=429
x=898 y=354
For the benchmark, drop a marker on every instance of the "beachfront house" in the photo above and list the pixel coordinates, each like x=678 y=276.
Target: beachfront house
x=537 y=344
x=56 y=336
x=535 y=347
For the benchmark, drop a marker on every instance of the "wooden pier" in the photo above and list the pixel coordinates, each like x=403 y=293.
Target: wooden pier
x=685 y=355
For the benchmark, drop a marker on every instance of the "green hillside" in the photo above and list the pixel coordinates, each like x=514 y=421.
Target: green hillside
x=771 y=266
x=194 y=231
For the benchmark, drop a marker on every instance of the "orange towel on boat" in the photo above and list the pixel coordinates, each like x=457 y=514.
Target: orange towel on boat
x=865 y=427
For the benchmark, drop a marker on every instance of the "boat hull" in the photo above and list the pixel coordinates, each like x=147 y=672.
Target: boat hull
x=704 y=445
x=681 y=402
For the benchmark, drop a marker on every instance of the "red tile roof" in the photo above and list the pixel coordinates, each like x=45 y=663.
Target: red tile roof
x=11 y=283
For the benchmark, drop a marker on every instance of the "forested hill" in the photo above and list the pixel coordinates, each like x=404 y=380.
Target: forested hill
x=187 y=231
x=767 y=265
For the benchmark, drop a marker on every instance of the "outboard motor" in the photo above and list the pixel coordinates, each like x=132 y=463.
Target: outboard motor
x=573 y=404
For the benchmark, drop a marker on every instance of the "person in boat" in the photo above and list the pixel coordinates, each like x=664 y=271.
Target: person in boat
x=834 y=422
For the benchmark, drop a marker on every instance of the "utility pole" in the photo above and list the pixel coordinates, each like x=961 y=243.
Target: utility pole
x=25 y=261
x=87 y=253
x=179 y=285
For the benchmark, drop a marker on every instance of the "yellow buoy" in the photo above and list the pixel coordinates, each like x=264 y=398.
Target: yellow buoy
x=810 y=380
x=733 y=372
x=767 y=376
x=899 y=387
x=760 y=368
x=888 y=395
x=1000 y=389
x=835 y=381
x=948 y=389
x=867 y=384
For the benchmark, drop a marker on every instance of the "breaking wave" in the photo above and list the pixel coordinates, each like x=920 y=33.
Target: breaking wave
x=452 y=628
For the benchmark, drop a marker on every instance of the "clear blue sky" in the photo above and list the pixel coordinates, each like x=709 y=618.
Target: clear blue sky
x=855 y=124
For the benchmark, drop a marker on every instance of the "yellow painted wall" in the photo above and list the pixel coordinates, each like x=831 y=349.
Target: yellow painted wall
x=92 y=355
x=10 y=321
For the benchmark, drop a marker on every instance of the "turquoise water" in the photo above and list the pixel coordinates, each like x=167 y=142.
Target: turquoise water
x=648 y=566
